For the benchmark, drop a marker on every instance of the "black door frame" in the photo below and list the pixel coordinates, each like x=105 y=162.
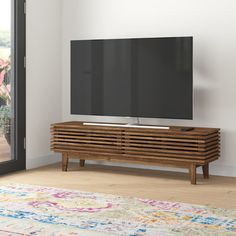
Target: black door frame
x=19 y=163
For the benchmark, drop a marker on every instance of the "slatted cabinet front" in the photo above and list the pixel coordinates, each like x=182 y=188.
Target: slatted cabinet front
x=143 y=145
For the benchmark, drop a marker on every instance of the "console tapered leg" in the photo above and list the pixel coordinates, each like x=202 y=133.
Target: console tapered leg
x=82 y=162
x=65 y=160
x=205 y=170
x=192 y=172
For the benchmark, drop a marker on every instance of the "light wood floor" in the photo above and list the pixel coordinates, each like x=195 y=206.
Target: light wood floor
x=4 y=150
x=216 y=192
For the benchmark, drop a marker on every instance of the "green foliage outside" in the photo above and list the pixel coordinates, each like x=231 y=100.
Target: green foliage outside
x=5 y=118
x=5 y=109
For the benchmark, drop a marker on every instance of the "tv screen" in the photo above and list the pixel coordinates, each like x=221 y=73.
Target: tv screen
x=143 y=77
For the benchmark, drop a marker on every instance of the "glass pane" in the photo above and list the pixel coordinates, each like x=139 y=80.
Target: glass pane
x=6 y=107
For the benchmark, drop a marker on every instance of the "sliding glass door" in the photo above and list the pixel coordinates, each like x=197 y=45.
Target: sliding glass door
x=12 y=85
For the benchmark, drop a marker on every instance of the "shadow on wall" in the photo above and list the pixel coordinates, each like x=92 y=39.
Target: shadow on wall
x=200 y=105
x=202 y=62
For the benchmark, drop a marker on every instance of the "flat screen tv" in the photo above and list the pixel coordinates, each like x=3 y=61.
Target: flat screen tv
x=140 y=77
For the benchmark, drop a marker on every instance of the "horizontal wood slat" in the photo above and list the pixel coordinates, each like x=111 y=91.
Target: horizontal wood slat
x=93 y=155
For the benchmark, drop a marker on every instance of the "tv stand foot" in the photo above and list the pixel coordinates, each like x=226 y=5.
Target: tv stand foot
x=81 y=163
x=65 y=159
x=205 y=170
x=192 y=172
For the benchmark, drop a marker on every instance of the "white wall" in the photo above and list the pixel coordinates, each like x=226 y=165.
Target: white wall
x=43 y=79
x=212 y=25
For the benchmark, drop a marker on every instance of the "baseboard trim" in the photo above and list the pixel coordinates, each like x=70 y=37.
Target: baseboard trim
x=32 y=163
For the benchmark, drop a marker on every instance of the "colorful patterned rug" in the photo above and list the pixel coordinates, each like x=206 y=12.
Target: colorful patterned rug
x=34 y=210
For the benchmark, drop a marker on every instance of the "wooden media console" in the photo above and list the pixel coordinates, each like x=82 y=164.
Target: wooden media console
x=141 y=145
